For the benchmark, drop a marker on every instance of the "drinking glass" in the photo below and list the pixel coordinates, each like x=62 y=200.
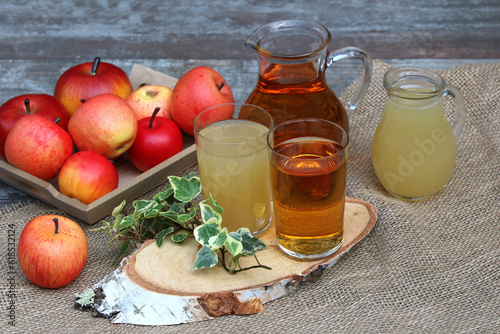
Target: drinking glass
x=234 y=163
x=308 y=176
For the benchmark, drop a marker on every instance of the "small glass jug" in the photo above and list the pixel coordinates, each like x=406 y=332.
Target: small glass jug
x=293 y=57
x=414 y=148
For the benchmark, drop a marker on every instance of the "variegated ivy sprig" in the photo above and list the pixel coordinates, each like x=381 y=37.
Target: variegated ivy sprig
x=174 y=212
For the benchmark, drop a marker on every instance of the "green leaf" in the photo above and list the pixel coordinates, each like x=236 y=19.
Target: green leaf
x=176 y=207
x=187 y=216
x=207 y=212
x=123 y=249
x=217 y=208
x=118 y=209
x=125 y=222
x=179 y=237
x=140 y=206
x=250 y=243
x=160 y=236
x=204 y=232
x=205 y=258
x=217 y=241
x=233 y=245
x=235 y=235
x=185 y=189
x=162 y=196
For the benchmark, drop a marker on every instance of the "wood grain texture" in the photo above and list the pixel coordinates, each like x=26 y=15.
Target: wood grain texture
x=173 y=293
x=197 y=29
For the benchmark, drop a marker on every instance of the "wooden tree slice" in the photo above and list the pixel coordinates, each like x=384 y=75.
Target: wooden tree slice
x=157 y=286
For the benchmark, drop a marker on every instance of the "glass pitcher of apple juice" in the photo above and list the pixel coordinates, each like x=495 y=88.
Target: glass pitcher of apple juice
x=414 y=148
x=293 y=58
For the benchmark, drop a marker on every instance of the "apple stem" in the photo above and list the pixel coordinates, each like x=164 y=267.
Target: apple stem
x=56 y=222
x=83 y=100
x=221 y=85
x=27 y=105
x=97 y=60
x=157 y=109
x=57 y=120
x=151 y=93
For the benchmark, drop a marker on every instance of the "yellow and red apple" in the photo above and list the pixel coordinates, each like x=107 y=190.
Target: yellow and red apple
x=27 y=104
x=198 y=89
x=38 y=146
x=84 y=81
x=87 y=176
x=105 y=124
x=52 y=251
x=145 y=99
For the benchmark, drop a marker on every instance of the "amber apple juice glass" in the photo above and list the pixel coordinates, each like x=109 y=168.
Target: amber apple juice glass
x=308 y=175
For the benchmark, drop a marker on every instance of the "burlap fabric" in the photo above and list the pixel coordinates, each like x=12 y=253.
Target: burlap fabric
x=430 y=266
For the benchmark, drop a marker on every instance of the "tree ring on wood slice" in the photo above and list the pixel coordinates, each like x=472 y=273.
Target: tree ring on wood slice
x=161 y=284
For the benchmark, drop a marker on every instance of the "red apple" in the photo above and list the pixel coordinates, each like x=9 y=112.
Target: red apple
x=147 y=98
x=22 y=105
x=87 y=80
x=52 y=251
x=158 y=138
x=105 y=124
x=198 y=89
x=38 y=146
x=87 y=176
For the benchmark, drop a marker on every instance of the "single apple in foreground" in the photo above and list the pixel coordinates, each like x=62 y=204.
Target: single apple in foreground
x=27 y=104
x=198 y=89
x=105 y=124
x=158 y=138
x=38 y=146
x=147 y=98
x=84 y=81
x=87 y=176
x=52 y=251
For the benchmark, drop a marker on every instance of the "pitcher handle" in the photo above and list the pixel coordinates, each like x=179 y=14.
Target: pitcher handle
x=353 y=52
x=461 y=112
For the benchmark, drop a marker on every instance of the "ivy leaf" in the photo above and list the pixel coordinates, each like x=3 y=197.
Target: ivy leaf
x=217 y=208
x=140 y=206
x=179 y=237
x=125 y=222
x=185 y=189
x=187 y=217
x=233 y=245
x=204 y=232
x=207 y=213
x=205 y=258
x=250 y=243
x=217 y=241
x=162 y=196
x=160 y=236
x=235 y=235
x=118 y=209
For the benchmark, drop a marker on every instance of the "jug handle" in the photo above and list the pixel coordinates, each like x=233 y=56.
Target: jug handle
x=353 y=52
x=461 y=112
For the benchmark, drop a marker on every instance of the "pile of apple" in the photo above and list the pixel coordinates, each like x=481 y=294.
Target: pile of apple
x=94 y=117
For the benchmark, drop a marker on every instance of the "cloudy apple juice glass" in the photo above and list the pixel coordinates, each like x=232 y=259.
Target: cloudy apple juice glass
x=308 y=175
x=234 y=164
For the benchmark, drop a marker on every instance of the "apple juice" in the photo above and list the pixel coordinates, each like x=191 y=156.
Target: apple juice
x=413 y=148
x=234 y=168
x=308 y=184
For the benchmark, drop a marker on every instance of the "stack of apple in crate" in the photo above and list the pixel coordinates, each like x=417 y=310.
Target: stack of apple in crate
x=75 y=135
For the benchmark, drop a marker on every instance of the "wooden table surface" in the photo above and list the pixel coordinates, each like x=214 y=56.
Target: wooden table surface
x=40 y=39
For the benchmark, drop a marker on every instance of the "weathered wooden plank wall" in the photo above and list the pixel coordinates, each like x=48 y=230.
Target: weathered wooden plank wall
x=198 y=29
